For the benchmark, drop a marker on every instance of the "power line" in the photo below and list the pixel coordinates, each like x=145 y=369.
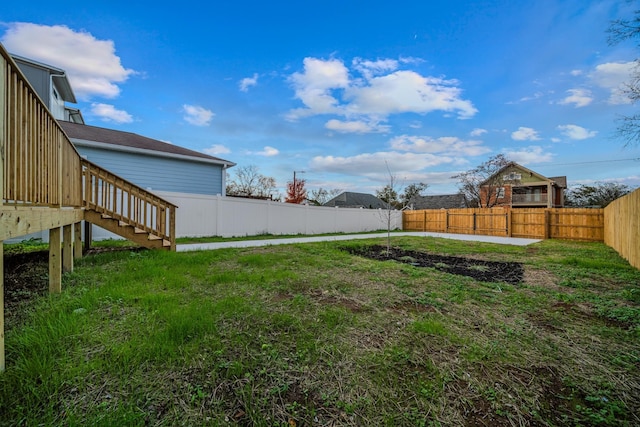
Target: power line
x=587 y=163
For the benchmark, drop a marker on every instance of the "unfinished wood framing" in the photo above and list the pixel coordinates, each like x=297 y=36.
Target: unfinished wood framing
x=55 y=261
x=67 y=248
x=42 y=178
x=77 y=240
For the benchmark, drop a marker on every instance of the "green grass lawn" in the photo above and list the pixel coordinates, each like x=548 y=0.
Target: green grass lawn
x=302 y=335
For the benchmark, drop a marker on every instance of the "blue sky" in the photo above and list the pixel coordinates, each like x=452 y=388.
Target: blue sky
x=347 y=91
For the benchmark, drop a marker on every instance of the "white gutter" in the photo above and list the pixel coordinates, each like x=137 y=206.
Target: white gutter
x=123 y=148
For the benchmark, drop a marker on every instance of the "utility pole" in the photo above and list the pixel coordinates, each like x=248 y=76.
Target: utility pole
x=294 y=178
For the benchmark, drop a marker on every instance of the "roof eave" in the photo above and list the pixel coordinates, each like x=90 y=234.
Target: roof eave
x=125 y=149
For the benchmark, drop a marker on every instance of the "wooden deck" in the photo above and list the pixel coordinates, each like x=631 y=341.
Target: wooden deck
x=46 y=185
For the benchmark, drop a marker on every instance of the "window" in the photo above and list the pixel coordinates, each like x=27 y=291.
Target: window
x=512 y=176
x=500 y=193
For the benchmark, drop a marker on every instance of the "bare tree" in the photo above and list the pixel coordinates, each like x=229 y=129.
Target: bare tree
x=389 y=195
x=411 y=191
x=481 y=184
x=320 y=196
x=620 y=30
x=249 y=182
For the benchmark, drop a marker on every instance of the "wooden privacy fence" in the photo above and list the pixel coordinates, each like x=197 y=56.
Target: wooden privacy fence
x=622 y=227
x=534 y=223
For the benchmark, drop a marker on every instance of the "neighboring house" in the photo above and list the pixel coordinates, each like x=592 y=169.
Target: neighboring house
x=442 y=201
x=52 y=86
x=149 y=163
x=356 y=200
x=518 y=187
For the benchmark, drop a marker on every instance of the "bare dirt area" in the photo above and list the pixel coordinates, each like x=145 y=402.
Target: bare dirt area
x=484 y=271
x=25 y=277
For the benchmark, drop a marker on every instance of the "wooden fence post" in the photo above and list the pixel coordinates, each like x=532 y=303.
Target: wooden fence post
x=424 y=221
x=509 y=223
x=547 y=224
x=446 y=221
x=474 y=223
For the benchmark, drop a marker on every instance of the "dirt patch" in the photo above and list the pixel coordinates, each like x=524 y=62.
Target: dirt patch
x=26 y=276
x=484 y=271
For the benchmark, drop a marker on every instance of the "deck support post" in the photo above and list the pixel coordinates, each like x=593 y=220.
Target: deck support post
x=67 y=248
x=55 y=261
x=77 y=240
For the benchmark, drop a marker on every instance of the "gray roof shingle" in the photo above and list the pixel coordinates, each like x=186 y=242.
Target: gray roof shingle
x=131 y=140
x=349 y=199
x=442 y=201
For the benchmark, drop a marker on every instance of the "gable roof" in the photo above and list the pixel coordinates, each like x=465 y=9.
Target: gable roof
x=349 y=199
x=560 y=181
x=441 y=201
x=109 y=139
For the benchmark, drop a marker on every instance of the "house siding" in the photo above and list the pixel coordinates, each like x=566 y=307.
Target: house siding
x=159 y=173
x=39 y=79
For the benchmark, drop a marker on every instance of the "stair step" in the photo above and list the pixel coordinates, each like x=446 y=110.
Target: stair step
x=154 y=237
x=138 y=230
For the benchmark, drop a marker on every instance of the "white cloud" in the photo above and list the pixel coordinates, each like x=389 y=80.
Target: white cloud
x=371 y=68
x=92 y=65
x=266 y=152
x=448 y=145
x=196 y=115
x=525 y=134
x=612 y=76
x=576 y=72
x=314 y=86
x=376 y=164
x=577 y=132
x=532 y=154
x=536 y=95
x=216 y=149
x=478 y=132
x=355 y=127
x=109 y=113
x=578 y=97
x=248 y=82
x=325 y=87
x=408 y=92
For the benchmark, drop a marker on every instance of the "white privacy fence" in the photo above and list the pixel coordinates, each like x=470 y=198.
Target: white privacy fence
x=200 y=215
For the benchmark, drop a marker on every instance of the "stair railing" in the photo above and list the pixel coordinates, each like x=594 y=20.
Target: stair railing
x=39 y=166
x=115 y=197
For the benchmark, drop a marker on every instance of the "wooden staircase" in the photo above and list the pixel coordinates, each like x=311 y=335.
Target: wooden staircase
x=127 y=210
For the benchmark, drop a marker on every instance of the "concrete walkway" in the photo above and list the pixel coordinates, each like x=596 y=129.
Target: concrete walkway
x=288 y=241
